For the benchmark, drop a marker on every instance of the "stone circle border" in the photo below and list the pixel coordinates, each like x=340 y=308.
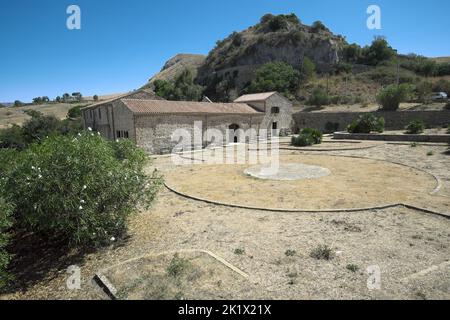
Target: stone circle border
x=381 y=207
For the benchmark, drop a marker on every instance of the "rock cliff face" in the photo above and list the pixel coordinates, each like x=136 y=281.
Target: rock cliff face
x=275 y=38
x=290 y=42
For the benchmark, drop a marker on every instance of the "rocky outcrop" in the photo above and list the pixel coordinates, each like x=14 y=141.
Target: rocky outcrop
x=176 y=65
x=232 y=63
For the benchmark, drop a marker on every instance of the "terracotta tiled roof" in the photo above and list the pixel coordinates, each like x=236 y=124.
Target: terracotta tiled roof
x=138 y=94
x=138 y=106
x=255 y=97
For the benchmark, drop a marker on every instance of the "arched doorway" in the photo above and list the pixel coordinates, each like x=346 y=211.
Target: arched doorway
x=234 y=137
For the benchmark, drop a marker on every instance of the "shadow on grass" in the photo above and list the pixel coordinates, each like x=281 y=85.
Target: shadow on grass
x=37 y=259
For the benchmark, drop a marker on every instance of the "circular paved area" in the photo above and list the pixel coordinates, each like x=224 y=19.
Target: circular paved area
x=287 y=172
x=354 y=183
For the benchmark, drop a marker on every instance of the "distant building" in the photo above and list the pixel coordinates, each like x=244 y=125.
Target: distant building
x=277 y=108
x=150 y=121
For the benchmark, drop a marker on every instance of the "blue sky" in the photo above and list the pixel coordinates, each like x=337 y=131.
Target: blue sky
x=122 y=43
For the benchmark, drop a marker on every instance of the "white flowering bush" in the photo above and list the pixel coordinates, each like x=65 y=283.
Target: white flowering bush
x=5 y=224
x=80 y=188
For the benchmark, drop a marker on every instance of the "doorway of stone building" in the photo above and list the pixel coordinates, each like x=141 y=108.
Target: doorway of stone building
x=234 y=137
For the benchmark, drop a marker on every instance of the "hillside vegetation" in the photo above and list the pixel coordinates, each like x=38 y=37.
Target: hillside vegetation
x=281 y=53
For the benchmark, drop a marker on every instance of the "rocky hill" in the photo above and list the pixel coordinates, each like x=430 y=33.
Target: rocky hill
x=176 y=65
x=349 y=73
x=275 y=38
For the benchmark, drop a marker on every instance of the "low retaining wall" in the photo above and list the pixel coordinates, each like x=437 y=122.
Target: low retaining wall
x=396 y=120
x=392 y=137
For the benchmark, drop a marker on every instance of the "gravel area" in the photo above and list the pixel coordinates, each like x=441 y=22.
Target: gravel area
x=275 y=248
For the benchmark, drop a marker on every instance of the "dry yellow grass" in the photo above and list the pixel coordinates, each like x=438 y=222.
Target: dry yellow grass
x=353 y=183
x=10 y=116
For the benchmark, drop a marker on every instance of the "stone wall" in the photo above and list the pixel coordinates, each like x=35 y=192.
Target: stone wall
x=397 y=120
x=283 y=118
x=154 y=132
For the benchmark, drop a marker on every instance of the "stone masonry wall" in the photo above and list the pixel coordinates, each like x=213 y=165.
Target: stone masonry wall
x=154 y=132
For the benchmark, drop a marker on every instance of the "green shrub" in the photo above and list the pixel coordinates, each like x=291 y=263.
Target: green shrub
x=36 y=129
x=178 y=266
x=307 y=137
x=278 y=22
x=352 y=52
x=318 y=26
x=424 y=90
x=391 y=96
x=182 y=89
x=448 y=129
x=39 y=126
x=290 y=253
x=74 y=112
x=13 y=138
x=275 y=76
x=315 y=134
x=367 y=123
x=80 y=189
x=322 y=252
x=319 y=97
x=343 y=68
x=352 y=267
x=308 y=68
x=302 y=141
x=5 y=224
x=415 y=127
x=377 y=52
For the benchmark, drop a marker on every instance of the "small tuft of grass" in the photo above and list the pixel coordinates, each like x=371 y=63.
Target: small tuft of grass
x=430 y=153
x=239 y=252
x=421 y=295
x=352 y=267
x=178 y=266
x=290 y=253
x=322 y=252
x=414 y=145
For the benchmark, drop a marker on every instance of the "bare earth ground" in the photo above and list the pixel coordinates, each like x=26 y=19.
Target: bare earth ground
x=411 y=248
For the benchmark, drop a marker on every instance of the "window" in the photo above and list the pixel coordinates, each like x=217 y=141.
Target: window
x=122 y=134
x=275 y=110
x=99 y=113
x=274 y=125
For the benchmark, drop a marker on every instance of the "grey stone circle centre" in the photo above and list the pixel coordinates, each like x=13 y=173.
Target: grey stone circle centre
x=288 y=172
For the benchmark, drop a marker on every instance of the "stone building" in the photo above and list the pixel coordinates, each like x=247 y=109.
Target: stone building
x=151 y=121
x=277 y=109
